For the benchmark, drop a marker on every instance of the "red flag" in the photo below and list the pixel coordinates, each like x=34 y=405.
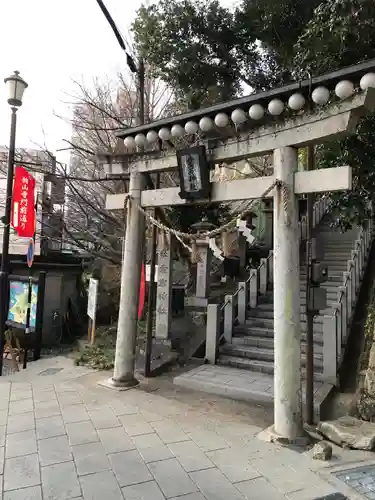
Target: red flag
x=23 y=203
x=142 y=292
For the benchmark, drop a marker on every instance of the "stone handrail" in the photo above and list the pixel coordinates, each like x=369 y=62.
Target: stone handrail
x=336 y=326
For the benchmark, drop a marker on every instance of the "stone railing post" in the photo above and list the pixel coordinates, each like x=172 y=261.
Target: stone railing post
x=228 y=318
x=349 y=303
x=330 y=349
x=356 y=270
x=242 y=302
x=253 y=288
x=351 y=271
x=270 y=269
x=212 y=332
x=263 y=276
x=338 y=309
x=344 y=312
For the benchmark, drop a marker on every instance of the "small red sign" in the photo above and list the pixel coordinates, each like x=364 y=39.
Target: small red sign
x=142 y=292
x=23 y=203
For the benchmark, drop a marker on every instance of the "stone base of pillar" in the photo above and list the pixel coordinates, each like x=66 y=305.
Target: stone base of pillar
x=117 y=385
x=271 y=436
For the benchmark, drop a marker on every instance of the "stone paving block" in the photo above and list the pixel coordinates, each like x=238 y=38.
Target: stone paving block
x=33 y=493
x=233 y=465
x=21 y=472
x=60 y=481
x=74 y=413
x=129 y=468
x=70 y=398
x=104 y=418
x=172 y=478
x=115 y=440
x=150 y=416
x=50 y=427
x=144 y=491
x=90 y=458
x=191 y=496
x=190 y=456
x=101 y=485
x=40 y=396
x=3 y=417
x=135 y=425
x=20 y=423
x=169 y=431
x=17 y=395
x=121 y=408
x=207 y=440
x=2 y=435
x=313 y=492
x=214 y=485
x=21 y=443
x=151 y=448
x=259 y=489
x=45 y=409
x=22 y=406
x=54 y=450
x=81 y=433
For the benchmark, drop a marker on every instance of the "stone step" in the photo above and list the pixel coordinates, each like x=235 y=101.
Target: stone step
x=268 y=342
x=256 y=365
x=261 y=354
x=259 y=331
x=269 y=323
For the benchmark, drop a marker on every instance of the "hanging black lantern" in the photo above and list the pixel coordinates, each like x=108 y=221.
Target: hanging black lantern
x=194 y=173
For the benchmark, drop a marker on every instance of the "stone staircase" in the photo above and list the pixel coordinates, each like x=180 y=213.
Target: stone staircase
x=252 y=342
x=240 y=332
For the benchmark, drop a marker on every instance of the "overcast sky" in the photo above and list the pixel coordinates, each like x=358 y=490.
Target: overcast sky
x=51 y=43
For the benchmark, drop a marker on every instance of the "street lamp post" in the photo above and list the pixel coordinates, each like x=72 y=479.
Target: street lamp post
x=16 y=87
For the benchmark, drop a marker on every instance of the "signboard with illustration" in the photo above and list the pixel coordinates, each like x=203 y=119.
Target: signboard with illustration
x=18 y=301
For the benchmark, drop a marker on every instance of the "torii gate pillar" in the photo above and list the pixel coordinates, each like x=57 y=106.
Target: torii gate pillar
x=287 y=336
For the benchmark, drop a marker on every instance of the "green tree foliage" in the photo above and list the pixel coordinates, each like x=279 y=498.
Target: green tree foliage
x=194 y=46
x=341 y=33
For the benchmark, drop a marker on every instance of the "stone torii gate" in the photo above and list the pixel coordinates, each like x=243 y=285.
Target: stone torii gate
x=281 y=121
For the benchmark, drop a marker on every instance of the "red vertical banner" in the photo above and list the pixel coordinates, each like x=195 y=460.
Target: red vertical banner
x=142 y=292
x=23 y=218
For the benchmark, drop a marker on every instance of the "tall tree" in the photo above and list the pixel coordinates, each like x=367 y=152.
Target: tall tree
x=341 y=33
x=193 y=45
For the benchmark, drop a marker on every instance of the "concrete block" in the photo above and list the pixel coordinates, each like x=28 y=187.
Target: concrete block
x=90 y=458
x=100 y=485
x=50 y=427
x=75 y=413
x=149 y=490
x=21 y=472
x=115 y=440
x=190 y=456
x=213 y=484
x=54 y=450
x=60 y=481
x=21 y=443
x=129 y=468
x=104 y=418
x=172 y=478
x=81 y=433
x=32 y=493
x=152 y=448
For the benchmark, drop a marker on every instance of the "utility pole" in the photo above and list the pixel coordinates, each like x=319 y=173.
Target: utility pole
x=124 y=364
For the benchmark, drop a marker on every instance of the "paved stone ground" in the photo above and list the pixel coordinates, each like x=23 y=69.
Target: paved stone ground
x=64 y=437
x=241 y=384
